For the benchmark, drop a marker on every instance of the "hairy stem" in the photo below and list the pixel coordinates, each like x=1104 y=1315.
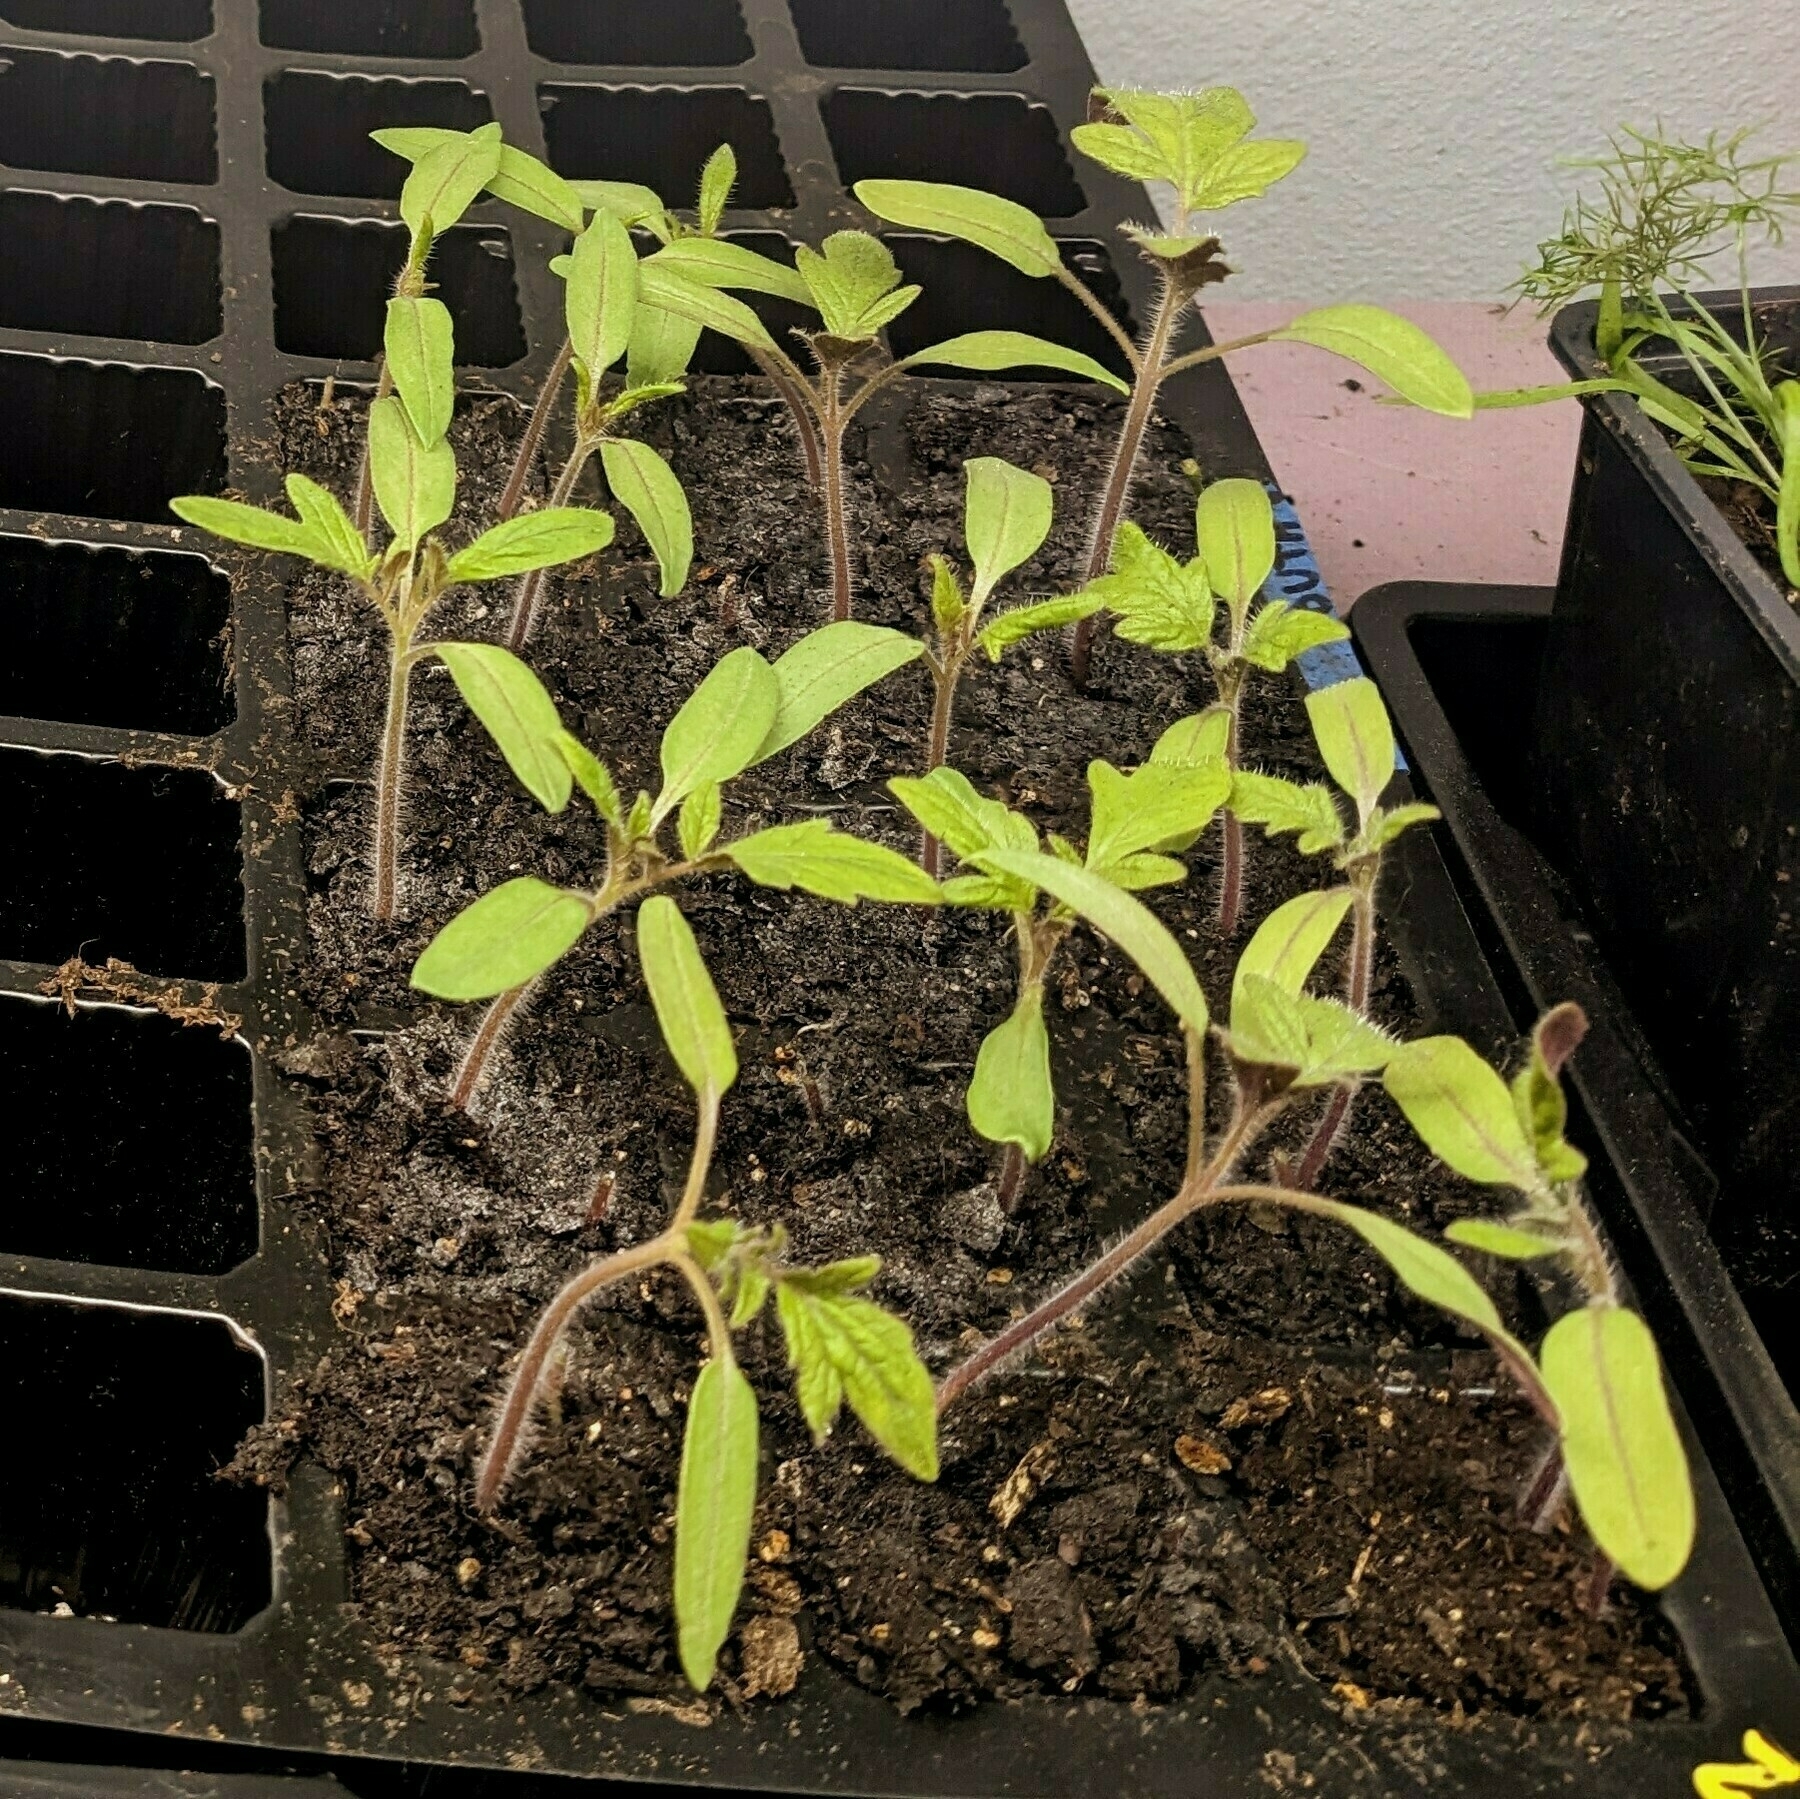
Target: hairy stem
x=1356 y=990
x=529 y=593
x=1196 y=1143
x=837 y=523
x=792 y=394
x=943 y=705
x=1231 y=864
x=513 y=495
x=365 y=478
x=489 y=1035
x=1103 y=316
x=1011 y=1179
x=390 y=775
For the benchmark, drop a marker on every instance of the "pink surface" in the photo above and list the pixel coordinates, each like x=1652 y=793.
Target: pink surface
x=1388 y=493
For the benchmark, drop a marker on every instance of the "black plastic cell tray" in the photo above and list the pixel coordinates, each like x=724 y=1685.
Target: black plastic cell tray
x=227 y=1621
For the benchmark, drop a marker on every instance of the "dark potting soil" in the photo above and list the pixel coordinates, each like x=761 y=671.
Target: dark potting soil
x=1253 y=1452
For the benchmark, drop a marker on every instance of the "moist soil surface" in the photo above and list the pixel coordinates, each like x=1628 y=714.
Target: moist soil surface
x=1253 y=1452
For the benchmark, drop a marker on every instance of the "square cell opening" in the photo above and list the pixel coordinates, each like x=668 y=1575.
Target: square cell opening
x=442 y=29
x=968 y=290
x=716 y=355
x=690 y=34
x=129 y=1141
x=161 y=21
x=107 y=115
x=119 y=1514
x=105 y=440
x=662 y=137
x=923 y=34
x=333 y=278
x=1000 y=142
x=316 y=128
x=105 y=860
x=109 y=268
x=134 y=639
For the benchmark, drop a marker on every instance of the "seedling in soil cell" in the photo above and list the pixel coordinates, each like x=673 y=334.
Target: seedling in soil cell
x=1200 y=144
x=745 y=711
x=841 y=1345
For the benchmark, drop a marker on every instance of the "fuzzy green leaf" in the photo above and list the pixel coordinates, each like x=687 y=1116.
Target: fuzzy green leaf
x=1267 y=1025
x=715 y=1504
x=686 y=1001
x=1496 y=1239
x=1011 y=1099
x=646 y=487
x=544 y=539
x=1355 y=739
x=252 y=525
x=1392 y=349
x=1245 y=171
x=336 y=541
x=716 y=733
x=966 y=823
x=1280 y=632
x=506 y=938
x=519 y=715
x=832 y=864
x=1001 y=227
x=711 y=1240
x=419 y=343
x=717 y=179
x=1463 y=1111
x=1119 y=148
x=446 y=181
x=1234 y=525
x=1195 y=742
x=718 y=262
x=1155 y=807
x=827 y=668
x=998 y=635
x=1543 y=1111
x=1006 y=517
x=1279 y=805
x=1162 y=603
x=1627 y=1468
x=697 y=823
x=1387 y=823
x=1137 y=931
x=947 y=602
x=601 y=296
x=704 y=306
x=522 y=181
x=1340 y=1042
x=415 y=484
x=1289 y=942
x=630 y=202
x=660 y=350
x=852 y=278
x=992 y=350
x=591 y=776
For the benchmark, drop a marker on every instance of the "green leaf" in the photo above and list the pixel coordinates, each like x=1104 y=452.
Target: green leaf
x=1194 y=140
x=1245 y=171
x=415 y=485
x=630 y=202
x=1234 y=524
x=336 y=542
x=852 y=279
x=413 y=141
x=1543 y=1112
x=1011 y=1099
x=1280 y=632
x=947 y=603
x=646 y=487
x=717 y=179
x=660 y=350
x=591 y=776
x=697 y=824
x=964 y=821
x=715 y=1504
x=1195 y=742
x=1355 y=739
x=1000 y=634
x=1627 y=1468
x=753 y=1286
x=1462 y=1110
x=522 y=181
x=991 y=350
x=1155 y=807
x=832 y=864
x=544 y=539
x=503 y=940
x=252 y=525
x=1289 y=942
x=718 y=262
x=827 y=668
x=711 y=1240
x=1137 y=931
x=1787 y=500
x=1001 y=227
x=1392 y=349
x=1267 y=1024
x=1388 y=824
x=419 y=344
x=705 y=306
x=1162 y=603
x=686 y=1001
x=1340 y=1042
x=842 y=1346
x=601 y=297
x=1496 y=1239
x=1279 y=805
x=1006 y=518
x=519 y=715
x=447 y=179
x=715 y=734
x=1119 y=148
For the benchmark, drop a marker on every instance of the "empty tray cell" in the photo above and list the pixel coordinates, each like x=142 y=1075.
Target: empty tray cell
x=105 y=860
x=1000 y=142
x=716 y=355
x=109 y=268
x=106 y=115
x=924 y=34
x=966 y=289
x=106 y=440
x=120 y=1513
x=437 y=28
x=333 y=278
x=662 y=136
x=691 y=34
x=135 y=639
x=128 y=1139
x=317 y=126
x=164 y=21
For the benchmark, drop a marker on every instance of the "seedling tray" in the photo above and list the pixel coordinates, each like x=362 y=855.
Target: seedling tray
x=194 y=220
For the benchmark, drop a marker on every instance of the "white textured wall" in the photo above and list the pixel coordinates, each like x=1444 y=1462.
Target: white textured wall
x=1435 y=125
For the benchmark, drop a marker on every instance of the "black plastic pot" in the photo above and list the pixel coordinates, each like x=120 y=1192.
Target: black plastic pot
x=1666 y=746
x=158 y=1288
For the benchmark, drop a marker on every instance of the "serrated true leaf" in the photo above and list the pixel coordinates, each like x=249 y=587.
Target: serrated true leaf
x=989 y=351
x=1389 y=822
x=998 y=635
x=716 y=733
x=646 y=487
x=1243 y=172
x=966 y=823
x=718 y=262
x=1394 y=350
x=519 y=715
x=419 y=343
x=1001 y=227
x=715 y=1504
x=1288 y=943
x=1280 y=632
x=1356 y=741
x=1010 y=1098
x=415 y=483
x=1463 y=1111
x=704 y=306
x=1195 y=742
x=832 y=864
x=825 y=669
x=1627 y=1468
x=717 y=179
x=1006 y=517
x=1341 y=1042
x=687 y=1004
x=1278 y=805
x=543 y=539
x=1267 y=1025
x=448 y=178
x=1234 y=528
x=710 y=1240
x=601 y=295
x=1496 y=1239
x=1543 y=1112
x=1155 y=807
x=849 y=277
x=1162 y=603
x=336 y=541
x=591 y=776
x=506 y=938
x=1124 y=151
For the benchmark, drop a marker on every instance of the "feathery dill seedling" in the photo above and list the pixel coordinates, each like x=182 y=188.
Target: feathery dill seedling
x=841 y=1345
